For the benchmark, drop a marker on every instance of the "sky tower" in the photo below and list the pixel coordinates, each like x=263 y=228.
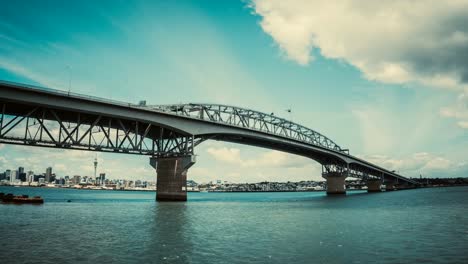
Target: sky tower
x=95 y=167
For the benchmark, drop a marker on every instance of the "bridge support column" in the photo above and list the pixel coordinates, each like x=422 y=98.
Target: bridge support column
x=335 y=182
x=390 y=186
x=171 y=181
x=403 y=186
x=373 y=185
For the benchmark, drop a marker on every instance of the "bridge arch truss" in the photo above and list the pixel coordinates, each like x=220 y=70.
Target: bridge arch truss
x=250 y=119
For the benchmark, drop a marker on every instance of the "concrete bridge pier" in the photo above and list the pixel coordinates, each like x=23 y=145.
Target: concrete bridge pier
x=390 y=186
x=403 y=186
x=335 y=182
x=171 y=179
x=373 y=185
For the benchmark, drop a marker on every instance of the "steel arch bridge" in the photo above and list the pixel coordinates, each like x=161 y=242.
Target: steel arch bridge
x=38 y=116
x=250 y=119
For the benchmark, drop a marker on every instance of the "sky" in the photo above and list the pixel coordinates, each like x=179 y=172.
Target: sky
x=386 y=79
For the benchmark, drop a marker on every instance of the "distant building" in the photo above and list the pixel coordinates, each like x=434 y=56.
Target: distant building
x=37 y=177
x=101 y=178
x=191 y=183
x=48 y=175
x=30 y=176
x=14 y=176
x=22 y=176
x=60 y=181
x=53 y=177
x=76 y=179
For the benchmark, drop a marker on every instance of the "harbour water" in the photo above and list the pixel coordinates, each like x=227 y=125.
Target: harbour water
x=413 y=226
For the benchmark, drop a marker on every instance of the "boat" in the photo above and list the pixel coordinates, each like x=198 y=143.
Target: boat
x=6 y=197
x=22 y=199
x=26 y=199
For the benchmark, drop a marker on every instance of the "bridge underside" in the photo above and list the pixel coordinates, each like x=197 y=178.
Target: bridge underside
x=331 y=163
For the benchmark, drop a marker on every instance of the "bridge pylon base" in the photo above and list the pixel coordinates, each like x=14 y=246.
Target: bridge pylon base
x=389 y=186
x=171 y=181
x=335 y=182
x=374 y=185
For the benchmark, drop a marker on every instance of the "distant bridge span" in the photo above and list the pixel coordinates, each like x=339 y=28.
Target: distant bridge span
x=38 y=116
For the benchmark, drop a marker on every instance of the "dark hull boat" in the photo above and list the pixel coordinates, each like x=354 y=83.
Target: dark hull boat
x=22 y=199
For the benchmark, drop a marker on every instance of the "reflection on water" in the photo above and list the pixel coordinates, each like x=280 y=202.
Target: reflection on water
x=171 y=230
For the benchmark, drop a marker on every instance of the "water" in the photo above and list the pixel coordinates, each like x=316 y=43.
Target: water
x=413 y=226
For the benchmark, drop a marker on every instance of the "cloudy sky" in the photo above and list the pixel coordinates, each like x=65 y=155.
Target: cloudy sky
x=386 y=79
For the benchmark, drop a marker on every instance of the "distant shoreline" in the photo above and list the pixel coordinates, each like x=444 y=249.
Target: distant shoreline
x=129 y=190
x=260 y=191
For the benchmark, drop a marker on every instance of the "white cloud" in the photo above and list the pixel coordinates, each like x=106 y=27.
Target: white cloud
x=229 y=155
x=3 y=161
x=421 y=163
x=458 y=111
x=277 y=159
x=271 y=158
x=438 y=163
x=463 y=124
x=389 y=41
x=246 y=164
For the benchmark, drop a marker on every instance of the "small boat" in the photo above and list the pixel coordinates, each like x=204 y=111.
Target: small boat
x=6 y=197
x=26 y=199
x=10 y=198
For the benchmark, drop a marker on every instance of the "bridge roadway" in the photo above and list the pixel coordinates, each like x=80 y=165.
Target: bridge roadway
x=45 y=117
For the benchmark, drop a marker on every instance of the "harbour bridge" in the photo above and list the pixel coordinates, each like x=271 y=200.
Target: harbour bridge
x=168 y=134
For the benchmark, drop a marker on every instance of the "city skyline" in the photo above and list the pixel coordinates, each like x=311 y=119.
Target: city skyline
x=412 y=119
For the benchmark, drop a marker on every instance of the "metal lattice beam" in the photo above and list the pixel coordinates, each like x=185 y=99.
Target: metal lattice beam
x=40 y=126
x=250 y=119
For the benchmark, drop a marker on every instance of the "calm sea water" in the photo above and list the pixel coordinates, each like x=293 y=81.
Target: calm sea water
x=413 y=226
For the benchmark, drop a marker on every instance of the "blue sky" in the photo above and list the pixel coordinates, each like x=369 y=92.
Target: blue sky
x=362 y=81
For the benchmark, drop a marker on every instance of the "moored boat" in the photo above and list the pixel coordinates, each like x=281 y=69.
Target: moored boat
x=22 y=199
x=7 y=197
x=26 y=199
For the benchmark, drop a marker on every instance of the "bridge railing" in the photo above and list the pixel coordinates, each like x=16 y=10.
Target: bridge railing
x=66 y=93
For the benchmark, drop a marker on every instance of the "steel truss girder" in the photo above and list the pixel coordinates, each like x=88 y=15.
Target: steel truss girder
x=351 y=171
x=41 y=126
x=250 y=119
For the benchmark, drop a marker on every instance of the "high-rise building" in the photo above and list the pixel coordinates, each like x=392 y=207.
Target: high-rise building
x=8 y=175
x=102 y=178
x=14 y=176
x=30 y=177
x=76 y=179
x=22 y=176
x=48 y=175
